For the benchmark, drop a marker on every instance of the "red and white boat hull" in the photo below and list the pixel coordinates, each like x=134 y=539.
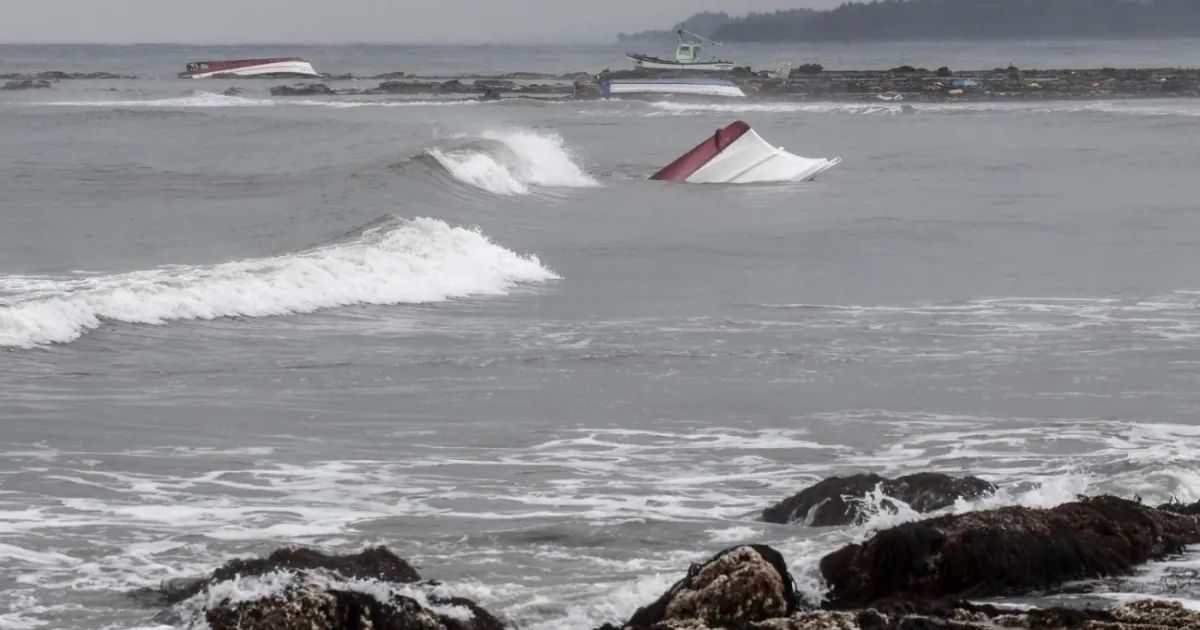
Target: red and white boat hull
x=738 y=155
x=276 y=67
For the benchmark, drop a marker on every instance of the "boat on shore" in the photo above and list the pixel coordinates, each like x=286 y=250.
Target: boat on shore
x=687 y=57
x=670 y=86
x=272 y=67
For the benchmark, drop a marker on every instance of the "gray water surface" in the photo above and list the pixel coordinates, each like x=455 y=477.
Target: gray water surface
x=475 y=332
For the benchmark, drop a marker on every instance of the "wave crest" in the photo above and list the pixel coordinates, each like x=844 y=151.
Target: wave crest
x=391 y=261
x=512 y=162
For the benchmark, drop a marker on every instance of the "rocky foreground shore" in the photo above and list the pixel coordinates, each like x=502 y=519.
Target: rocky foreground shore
x=807 y=82
x=915 y=576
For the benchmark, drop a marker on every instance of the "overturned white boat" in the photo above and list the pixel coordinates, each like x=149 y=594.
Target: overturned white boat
x=687 y=57
x=272 y=67
x=670 y=86
x=738 y=155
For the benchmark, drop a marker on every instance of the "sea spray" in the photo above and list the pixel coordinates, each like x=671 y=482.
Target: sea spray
x=511 y=162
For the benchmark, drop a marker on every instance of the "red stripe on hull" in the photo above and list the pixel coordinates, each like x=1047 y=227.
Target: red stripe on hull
x=690 y=162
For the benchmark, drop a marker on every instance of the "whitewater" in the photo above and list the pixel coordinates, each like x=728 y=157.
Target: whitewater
x=394 y=262
x=476 y=333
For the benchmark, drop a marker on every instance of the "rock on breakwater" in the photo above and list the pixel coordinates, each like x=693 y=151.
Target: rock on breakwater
x=844 y=500
x=1005 y=551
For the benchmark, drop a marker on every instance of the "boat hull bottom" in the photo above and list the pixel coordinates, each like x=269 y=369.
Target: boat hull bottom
x=287 y=69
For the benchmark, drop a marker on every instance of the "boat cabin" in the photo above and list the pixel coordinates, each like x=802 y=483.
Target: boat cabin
x=687 y=53
x=197 y=65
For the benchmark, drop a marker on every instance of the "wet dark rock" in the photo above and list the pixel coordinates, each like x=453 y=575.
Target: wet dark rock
x=749 y=588
x=233 y=91
x=1137 y=615
x=401 y=87
x=842 y=500
x=738 y=585
x=503 y=84
x=1006 y=551
x=302 y=89
x=373 y=563
x=1191 y=509
x=27 y=84
x=313 y=608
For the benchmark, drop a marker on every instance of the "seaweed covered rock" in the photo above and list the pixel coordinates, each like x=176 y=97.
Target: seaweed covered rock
x=841 y=500
x=739 y=585
x=373 y=563
x=1005 y=551
x=312 y=608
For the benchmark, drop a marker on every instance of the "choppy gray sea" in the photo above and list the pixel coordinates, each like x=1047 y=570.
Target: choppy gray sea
x=474 y=332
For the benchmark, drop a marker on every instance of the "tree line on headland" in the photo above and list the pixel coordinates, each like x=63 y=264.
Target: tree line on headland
x=882 y=20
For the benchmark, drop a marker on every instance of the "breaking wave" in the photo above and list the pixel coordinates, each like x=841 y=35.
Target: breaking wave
x=391 y=261
x=511 y=162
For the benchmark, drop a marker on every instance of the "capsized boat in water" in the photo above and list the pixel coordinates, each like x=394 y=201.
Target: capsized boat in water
x=269 y=67
x=670 y=86
x=736 y=154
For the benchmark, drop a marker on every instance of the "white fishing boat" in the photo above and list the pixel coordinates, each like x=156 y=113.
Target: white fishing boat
x=670 y=86
x=738 y=155
x=269 y=67
x=687 y=57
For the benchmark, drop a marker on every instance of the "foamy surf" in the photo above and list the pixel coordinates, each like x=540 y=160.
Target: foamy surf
x=1146 y=108
x=394 y=261
x=511 y=162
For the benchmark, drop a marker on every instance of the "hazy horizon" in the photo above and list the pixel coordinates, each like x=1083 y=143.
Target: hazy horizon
x=357 y=21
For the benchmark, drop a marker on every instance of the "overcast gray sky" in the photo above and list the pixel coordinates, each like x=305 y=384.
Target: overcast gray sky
x=324 y=21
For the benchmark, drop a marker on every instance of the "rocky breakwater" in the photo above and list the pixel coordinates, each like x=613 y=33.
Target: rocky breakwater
x=46 y=80
x=906 y=83
x=487 y=89
x=58 y=75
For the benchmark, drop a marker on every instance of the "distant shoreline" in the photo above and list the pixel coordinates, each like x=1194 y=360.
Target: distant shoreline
x=956 y=20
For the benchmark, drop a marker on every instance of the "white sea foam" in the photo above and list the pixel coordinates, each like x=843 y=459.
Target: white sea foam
x=891 y=108
x=514 y=161
x=402 y=261
x=174 y=523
